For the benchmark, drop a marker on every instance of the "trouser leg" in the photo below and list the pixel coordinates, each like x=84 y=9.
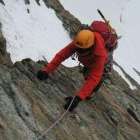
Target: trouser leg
x=85 y=72
x=95 y=90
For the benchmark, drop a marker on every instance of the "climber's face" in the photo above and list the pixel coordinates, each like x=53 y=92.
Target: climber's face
x=82 y=50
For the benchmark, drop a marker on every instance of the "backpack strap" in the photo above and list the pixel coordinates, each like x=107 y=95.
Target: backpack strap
x=108 y=66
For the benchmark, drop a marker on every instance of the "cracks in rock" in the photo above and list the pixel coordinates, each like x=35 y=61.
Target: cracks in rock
x=111 y=120
x=60 y=82
x=112 y=117
x=28 y=70
x=132 y=96
x=12 y=95
x=20 y=114
x=36 y=132
x=130 y=110
x=58 y=89
x=133 y=114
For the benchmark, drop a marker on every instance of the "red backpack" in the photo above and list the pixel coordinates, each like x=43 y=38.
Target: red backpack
x=111 y=40
x=109 y=34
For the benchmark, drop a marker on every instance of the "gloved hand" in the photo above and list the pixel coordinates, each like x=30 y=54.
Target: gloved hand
x=42 y=75
x=75 y=103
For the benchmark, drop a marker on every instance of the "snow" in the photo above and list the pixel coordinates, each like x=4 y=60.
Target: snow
x=123 y=76
x=127 y=54
x=33 y=35
x=40 y=33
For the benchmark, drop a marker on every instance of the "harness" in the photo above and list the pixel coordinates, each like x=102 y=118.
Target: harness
x=89 y=53
x=80 y=53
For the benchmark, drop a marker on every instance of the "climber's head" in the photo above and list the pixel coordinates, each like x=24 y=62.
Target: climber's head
x=84 y=39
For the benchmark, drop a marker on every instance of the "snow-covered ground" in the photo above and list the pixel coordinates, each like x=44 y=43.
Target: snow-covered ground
x=40 y=33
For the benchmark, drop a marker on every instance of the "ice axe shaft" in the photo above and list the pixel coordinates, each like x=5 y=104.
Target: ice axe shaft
x=101 y=14
x=106 y=21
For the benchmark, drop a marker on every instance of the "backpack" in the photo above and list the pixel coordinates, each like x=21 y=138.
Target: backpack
x=111 y=41
x=109 y=35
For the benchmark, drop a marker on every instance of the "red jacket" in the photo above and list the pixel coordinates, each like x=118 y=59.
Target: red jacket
x=96 y=66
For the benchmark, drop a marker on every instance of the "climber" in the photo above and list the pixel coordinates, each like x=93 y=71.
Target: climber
x=89 y=47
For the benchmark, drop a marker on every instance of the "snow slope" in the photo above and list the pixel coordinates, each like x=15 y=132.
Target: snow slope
x=40 y=33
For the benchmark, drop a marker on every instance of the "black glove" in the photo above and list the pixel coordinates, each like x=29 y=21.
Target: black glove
x=74 y=104
x=42 y=75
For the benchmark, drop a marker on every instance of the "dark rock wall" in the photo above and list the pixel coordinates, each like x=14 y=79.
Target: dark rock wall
x=4 y=56
x=2 y=2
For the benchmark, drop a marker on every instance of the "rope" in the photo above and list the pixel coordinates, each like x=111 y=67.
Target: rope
x=56 y=122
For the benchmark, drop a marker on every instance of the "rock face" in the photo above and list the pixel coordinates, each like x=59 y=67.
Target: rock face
x=2 y=2
x=28 y=106
x=4 y=56
x=70 y=23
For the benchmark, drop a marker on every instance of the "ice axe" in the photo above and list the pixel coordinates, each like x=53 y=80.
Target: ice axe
x=107 y=22
x=101 y=14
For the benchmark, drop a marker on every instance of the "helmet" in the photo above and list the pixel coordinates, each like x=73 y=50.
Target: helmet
x=84 y=39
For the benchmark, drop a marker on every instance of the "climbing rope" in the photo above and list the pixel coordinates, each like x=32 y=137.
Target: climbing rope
x=56 y=122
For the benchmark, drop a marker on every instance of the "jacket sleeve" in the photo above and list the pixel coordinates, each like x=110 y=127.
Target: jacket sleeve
x=60 y=57
x=93 y=78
